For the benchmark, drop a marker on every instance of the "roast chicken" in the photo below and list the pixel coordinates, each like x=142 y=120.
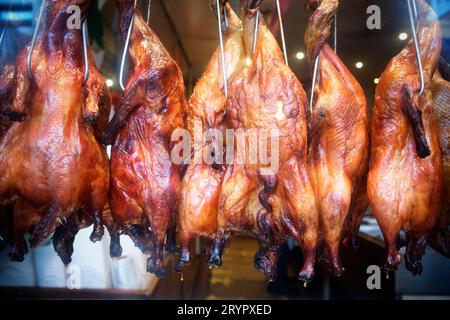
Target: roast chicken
x=201 y=185
x=405 y=181
x=339 y=142
x=440 y=87
x=277 y=202
x=51 y=165
x=145 y=182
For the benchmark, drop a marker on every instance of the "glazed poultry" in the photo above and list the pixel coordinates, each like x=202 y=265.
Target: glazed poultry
x=197 y=209
x=272 y=203
x=51 y=164
x=145 y=182
x=440 y=87
x=339 y=142
x=6 y=85
x=405 y=181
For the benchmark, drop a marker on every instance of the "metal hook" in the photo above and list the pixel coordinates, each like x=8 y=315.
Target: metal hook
x=85 y=51
x=316 y=64
x=33 y=40
x=283 y=40
x=335 y=33
x=255 y=37
x=416 y=45
x=222 y=50
x=9 y=17
x=125 y=49
x=313 y=84
x=149 y=5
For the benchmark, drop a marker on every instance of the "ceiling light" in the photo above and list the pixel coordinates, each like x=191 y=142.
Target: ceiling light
x=403 y=36
x=300 y=55
x=109 y=83
x=376 y=80
x=359 y=65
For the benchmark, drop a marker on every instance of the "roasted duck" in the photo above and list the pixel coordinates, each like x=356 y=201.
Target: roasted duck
x=51 y=164
x=405 y=181
x=145 y=182
x=440 y=87
x=277 y=202
x=200 y=189
x=339 y=143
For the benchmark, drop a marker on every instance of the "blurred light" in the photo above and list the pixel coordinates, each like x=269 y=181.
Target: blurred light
x=403 y=36
x=248 y=61
x=359 y=65
x=376 y=80
x=109 y=83
x=300 y=55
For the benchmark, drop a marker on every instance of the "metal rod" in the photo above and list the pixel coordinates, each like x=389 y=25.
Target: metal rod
x=125 y=49
x=283 y=40
x=335 y=33
x=255 y=37
x=4 y=28
x=222 y=50
x=313 y=84
x=416 y=45
x=33 y=40
x=85 y=51
x=149 y=5
x=415 y=11
x=225 y=18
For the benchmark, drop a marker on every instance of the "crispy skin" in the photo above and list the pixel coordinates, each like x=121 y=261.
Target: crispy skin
x=339 y=138
x=197 y=209
x=51 y=164
x=405 y=181
x=440 y=239
x=145 y=183
x=6 y=85
x=267 y=95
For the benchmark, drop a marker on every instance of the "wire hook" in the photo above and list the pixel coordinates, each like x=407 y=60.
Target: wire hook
x=9 y=17
x=125 y=49
x=316 y=64
x=33 y=40
x=222 y=50
x=149 y=5
x=255 y=36
x=411 y=4
x=85 y=51
x=283 y=40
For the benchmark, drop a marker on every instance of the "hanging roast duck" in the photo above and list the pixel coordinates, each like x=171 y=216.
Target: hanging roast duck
x=405 y=181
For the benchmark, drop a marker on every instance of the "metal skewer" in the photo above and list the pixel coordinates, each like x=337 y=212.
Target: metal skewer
x=4 y=28
x=416 y=45
x=85 y=51
x=33 y=40
x=222 y=50
x=125 y=49
x=283 y=40
x=335 y=33
x=316 y=64
x=255 y=37
x=149 y=5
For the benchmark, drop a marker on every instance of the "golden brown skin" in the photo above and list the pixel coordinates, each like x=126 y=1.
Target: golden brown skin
x=200 y=189
x=6 y=87
x=440 y=87
x=405 y=181
x=51 y=164
x=267 y=95
x=339 y=138
x=145 y=183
